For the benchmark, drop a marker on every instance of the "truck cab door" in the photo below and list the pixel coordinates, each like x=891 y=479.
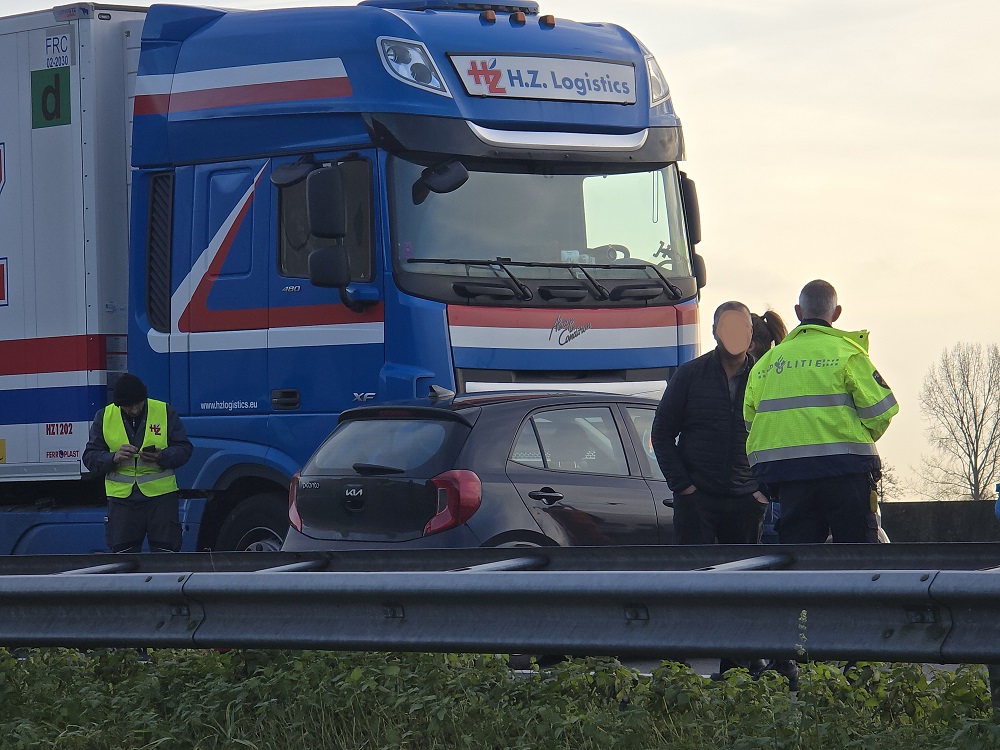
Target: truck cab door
x=323 y=356
x=224 y=301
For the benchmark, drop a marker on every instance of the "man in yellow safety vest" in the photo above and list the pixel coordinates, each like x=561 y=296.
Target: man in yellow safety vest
x=139 y=473
x=814 y=406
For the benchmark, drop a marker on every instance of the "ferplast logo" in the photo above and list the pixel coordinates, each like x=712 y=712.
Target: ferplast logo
x=62 y=454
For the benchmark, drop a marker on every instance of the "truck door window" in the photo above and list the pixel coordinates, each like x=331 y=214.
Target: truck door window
x=294 y=241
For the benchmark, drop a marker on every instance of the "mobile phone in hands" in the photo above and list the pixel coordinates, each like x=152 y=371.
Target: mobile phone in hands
x=149 y=453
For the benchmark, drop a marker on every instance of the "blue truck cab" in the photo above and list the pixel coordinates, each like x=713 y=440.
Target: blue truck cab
x=339 y=205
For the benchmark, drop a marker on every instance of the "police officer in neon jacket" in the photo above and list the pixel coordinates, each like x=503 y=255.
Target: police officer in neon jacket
x=139 y=472
x=814 y=407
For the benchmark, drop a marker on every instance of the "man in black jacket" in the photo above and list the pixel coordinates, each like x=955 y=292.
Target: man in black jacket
x=700 y=438
x=700 y=441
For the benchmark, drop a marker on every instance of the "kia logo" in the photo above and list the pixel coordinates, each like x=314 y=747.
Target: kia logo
x=354 y=497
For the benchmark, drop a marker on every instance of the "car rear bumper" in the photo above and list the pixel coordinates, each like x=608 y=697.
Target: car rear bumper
x=459 y=537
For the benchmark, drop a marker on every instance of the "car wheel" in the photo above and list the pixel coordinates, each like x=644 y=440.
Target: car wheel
x=258 y=524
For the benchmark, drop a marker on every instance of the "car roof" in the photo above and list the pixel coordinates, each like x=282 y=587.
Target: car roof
x=458 y=403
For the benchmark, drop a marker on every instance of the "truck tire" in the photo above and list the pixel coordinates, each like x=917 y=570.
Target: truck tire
x=258 y=524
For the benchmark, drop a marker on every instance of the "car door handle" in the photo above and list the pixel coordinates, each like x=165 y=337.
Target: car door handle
x=669 y=502
x=547 y=495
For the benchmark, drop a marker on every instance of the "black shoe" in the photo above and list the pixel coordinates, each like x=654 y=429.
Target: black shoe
x=787 y=668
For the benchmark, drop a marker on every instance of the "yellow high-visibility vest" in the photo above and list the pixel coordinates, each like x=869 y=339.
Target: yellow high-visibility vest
x=150 y=478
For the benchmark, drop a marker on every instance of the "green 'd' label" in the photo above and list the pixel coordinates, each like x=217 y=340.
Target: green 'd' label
x=50 y=102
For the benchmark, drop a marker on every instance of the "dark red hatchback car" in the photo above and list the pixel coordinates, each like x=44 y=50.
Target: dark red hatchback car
x=510 y=468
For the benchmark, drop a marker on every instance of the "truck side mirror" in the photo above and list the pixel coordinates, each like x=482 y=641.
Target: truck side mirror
x=689 y=194
x=288 y=175
x=441 y=178
x=325 y=211
x=329 y=268
x=700 y=272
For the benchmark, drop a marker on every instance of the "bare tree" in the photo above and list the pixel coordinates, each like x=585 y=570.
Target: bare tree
x=889 y=485
x=960 y=403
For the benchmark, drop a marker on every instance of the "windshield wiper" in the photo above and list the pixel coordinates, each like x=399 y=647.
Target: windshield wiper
x=523 y=292
x=598 y=291
x=369 y=469
x=671 y=287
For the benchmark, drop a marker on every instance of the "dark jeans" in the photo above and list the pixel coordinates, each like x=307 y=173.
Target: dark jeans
x=812 y=509
x=703 y=518
x=134 y=518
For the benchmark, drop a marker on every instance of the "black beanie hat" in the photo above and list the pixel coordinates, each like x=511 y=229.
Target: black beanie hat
x=129 y=390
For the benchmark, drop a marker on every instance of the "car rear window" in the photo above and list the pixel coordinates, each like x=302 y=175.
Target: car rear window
x=418 y=447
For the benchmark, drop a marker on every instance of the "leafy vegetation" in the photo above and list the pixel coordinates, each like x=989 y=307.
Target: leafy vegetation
x=202 y=700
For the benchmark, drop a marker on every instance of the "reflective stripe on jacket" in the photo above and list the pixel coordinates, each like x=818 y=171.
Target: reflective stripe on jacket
x=150 y=478
x=816 y=400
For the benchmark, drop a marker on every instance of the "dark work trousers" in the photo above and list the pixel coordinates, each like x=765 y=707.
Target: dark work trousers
x=703 y=518
x=136 y=517
x=814 y=508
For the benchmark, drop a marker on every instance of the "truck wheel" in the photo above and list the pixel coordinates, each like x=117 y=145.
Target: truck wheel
x=258 y=524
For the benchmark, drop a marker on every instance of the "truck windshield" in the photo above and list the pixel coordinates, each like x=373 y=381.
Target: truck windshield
x=610 y=225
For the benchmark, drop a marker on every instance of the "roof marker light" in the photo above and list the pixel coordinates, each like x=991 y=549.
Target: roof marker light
x=549 y=21
x=659 y=91
x=411 y=63
x=488 y=16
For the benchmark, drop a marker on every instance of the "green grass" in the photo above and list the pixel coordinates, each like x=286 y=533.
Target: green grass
x=273 y=700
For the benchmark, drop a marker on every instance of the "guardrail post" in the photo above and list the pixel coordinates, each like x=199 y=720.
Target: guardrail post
x=994 y=671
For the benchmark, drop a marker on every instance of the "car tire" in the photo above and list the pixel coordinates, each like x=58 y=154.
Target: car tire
x=258 y=524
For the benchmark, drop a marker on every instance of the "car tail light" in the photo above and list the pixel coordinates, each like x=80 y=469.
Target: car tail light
x=293 y=512
x=459 y=495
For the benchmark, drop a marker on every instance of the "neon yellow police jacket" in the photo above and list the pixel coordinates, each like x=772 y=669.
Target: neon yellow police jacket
x=815 y=405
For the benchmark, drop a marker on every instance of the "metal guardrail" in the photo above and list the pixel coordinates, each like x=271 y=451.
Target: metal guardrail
x=822 y=602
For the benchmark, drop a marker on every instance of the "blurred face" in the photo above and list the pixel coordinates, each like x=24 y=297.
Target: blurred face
x=734 y=330
x=134 y=410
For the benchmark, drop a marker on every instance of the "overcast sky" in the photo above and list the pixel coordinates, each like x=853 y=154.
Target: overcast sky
x=850 y=140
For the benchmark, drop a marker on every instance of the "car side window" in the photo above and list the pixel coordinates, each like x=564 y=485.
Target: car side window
x=582 y=440
x=642 y=424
